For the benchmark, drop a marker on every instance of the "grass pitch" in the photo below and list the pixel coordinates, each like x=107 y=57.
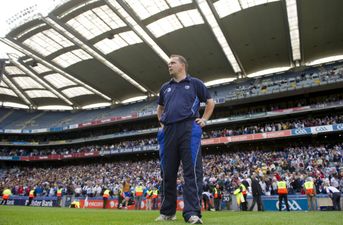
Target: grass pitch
x=20 y=215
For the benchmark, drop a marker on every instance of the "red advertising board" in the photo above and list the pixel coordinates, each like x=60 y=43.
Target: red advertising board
x=113 y=204
x=246 y=137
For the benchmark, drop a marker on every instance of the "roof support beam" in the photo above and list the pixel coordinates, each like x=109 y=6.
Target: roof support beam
x=40 y=81
x=72 y=35
x=292 y=17
x=17 y=91
x=210 y=17
x=21 y=48
x=136 y=25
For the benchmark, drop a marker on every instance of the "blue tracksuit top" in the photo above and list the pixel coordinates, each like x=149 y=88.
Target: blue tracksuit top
x=181 y=100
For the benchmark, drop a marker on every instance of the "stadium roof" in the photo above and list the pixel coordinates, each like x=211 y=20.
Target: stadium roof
x=79 y=53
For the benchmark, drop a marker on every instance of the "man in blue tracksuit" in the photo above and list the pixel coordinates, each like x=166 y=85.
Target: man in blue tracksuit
x=180 y=139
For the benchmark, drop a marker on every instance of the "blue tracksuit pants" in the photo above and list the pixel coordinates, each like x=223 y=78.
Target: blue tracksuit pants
x=181 y=142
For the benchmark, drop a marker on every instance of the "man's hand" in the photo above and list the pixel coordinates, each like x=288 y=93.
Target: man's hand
x=201 y=121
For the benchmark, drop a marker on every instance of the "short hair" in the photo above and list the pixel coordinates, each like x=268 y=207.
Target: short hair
x=181 y=59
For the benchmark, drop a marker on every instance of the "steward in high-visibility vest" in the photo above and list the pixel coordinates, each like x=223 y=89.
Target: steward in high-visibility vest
x=282 y=192
x=244 y=204
x=282 y=187
x=5 y=196
x=155 y=198
x=59 y=196
x=32 y=194
x=139 y=190
x=239 y=196
x=106 y=194
x=148 y=196
x=155 y=194
x=309 y=187
x=243 y=188
x=310 y=191
x=217 y=195
x=59 y=192
x=105 y=197
x=138 y=196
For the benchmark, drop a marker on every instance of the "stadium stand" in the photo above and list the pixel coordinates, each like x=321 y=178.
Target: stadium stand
x=249 y=88
x=224 y=164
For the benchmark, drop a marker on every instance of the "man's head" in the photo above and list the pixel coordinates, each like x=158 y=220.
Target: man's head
x=177 y=66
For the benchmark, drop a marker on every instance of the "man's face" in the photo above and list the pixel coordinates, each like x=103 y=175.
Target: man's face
x=175 y=67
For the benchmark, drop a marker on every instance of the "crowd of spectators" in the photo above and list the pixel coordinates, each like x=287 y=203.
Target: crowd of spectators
x=322 y=162
x=245 y=111
x=231 y=130
x=273 y=126
x=262 y=84
x=83 y=149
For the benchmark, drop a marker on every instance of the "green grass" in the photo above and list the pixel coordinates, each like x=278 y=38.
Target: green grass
x=20 y=215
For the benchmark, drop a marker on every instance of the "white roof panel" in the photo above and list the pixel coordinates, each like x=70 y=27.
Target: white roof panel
x=95 y=22
x=6 y=91
x=58 y=80
x=118 y=41
x=47 y=42
x=27 y=82
x=228 y=7
x=40 y=94
x=3 y=84
x=72 y=57
x=76 y=91
x=40 y=68
x=13 y=70
x=165 y=25
x=174 y=22
x=146 y=9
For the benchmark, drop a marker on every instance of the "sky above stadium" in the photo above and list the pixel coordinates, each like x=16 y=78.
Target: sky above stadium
x=7 y=10
x=12 y=7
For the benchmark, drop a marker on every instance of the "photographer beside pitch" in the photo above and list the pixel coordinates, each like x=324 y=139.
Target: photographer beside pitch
x=180 y=139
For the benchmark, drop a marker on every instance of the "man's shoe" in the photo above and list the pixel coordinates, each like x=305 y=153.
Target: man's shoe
x=165 y=217
x=194 y=220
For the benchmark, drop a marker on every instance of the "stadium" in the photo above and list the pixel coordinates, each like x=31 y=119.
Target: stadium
x=85 y=90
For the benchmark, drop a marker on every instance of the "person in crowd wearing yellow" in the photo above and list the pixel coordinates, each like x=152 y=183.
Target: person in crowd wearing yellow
x=282 y=192
x=217 y=196
x=138 y=196
x=75 y=204
x=105 y=196
x=59 y=196
x=310 y=191
x=126 y=191
x=244 y=185
x=5 y=196
x=155 y=198
x=32 y=194
x=148 y=197
x=239 y=196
